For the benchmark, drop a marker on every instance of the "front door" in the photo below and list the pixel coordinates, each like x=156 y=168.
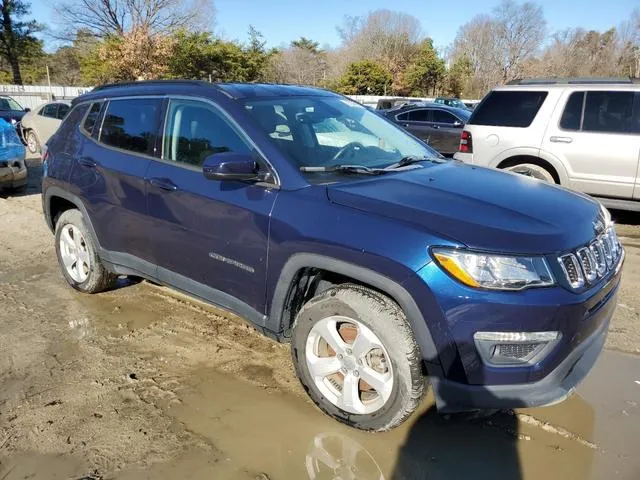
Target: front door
x=598 y=139
x=210 y=237
x=417 y=121
x=448 y=127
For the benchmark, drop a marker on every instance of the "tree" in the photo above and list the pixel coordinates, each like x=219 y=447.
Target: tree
x=500 y=45
x=458 y=76
x=16 y=35
x=365 y=78
x=303 y=63
x=425 y=71
x=116 y=17
x=138 y=55
x=384 y=36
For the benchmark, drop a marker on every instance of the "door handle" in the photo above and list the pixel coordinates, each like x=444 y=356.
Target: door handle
x=163 y=183
x=561 y=139
x=436 y=126
x=405 y=125
x=87 y=162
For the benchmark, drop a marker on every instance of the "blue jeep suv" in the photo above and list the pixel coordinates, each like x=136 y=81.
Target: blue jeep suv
x=385 y=266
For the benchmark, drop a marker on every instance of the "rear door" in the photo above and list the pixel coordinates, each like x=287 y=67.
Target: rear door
x=110 y=173
x=447 y=126
x=418 y=122
x=598 y=138
x=47 y=122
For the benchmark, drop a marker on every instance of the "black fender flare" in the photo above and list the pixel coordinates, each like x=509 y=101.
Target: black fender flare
x=365 y=275
x=54 y=191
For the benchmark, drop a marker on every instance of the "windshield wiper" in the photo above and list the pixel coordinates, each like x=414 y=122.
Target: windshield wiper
x=357 y=169
x=410 y=160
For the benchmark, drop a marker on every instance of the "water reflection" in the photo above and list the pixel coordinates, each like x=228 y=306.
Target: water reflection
x=333 y=456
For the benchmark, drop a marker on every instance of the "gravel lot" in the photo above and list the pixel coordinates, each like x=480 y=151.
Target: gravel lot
x=141 y=382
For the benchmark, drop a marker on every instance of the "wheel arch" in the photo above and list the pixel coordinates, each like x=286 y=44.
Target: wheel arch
x=56 y=201
x=295 y=279
x=535 y=156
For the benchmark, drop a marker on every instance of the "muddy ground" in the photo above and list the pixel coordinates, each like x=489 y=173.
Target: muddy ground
x=142 y=383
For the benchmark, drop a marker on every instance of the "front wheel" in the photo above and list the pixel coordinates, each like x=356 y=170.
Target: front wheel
x=356 y=357
x=532 y=170
x=32 y=142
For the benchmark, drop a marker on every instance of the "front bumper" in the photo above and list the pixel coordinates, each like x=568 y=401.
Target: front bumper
x=555 y=387
x=464 y=380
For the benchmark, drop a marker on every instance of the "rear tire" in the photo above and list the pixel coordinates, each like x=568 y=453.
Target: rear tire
x=353 y=339
x=532 y=170
x=78 y=257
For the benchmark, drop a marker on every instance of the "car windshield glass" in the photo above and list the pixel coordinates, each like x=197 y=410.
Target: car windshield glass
x=320 y=131
x=8 y=104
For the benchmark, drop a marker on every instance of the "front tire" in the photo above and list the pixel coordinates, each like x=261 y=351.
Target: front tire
x=33 y=145
x=356 y=357
x=78 y=257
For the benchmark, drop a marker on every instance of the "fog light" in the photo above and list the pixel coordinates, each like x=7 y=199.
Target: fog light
x=514 y=348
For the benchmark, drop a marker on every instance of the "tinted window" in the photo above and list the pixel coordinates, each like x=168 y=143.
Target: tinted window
x=608 y=112
x=63 y=109
x=440 y=116
x=92 y=116
x=403 y=117
x=195 y=130
x=131 y=124
x=49 y=110
x=420 y=115
x=572 y=112
x=508 y=109
x=67 y=129
x=8 y=103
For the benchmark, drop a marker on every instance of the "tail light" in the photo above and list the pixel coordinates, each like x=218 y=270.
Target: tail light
x=466 y=145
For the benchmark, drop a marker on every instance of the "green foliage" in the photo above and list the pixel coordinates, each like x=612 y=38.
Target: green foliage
x=365 y=78
x=197 y=55
x=304 y=43
x=459 y=75
x=17 y=43
x=425 y=71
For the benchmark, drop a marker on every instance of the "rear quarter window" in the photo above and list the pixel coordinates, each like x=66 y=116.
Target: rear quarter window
x=508 y=108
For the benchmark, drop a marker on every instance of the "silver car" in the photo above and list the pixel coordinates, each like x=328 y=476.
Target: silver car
x=41 y=123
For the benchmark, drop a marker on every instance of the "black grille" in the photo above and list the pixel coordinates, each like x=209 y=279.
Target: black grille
x=515 y=350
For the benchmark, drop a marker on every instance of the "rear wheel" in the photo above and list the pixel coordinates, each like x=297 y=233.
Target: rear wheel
x=532 y=170
x=356 y=357
x=32 y=142
x=78 y=257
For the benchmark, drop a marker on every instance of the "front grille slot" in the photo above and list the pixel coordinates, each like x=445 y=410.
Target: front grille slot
x=589 y=264
x=516 y=350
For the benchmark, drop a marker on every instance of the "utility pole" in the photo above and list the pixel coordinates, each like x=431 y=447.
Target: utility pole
x=49 y=82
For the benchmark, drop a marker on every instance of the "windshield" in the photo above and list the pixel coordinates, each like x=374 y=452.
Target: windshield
x=328 y=131
x=8 y=104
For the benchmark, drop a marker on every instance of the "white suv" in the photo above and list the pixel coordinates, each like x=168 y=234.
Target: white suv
x=582 y=134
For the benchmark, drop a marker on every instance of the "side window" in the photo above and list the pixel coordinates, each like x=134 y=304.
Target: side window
x=608 y=112
x=419 y=115
x=572 y=115
x=50 y=110
x=92 y=116
x=403 y=117
x=131 y=124
x=194 y=130
x=440 y=116
x=63 y=109
x=508 y=108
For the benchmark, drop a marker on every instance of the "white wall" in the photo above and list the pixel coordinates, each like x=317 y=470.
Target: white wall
x=33 y=95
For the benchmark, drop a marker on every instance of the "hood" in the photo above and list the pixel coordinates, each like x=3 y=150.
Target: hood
x=482 y=208
x=9 y=115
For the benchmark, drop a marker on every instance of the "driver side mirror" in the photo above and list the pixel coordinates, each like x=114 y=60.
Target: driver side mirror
x=27 y=109
x=239 y=167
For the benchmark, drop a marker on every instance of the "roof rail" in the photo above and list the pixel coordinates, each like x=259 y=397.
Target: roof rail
x=576 y=80
x=108 y=86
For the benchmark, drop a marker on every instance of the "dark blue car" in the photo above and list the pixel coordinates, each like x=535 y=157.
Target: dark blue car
x=386 y=267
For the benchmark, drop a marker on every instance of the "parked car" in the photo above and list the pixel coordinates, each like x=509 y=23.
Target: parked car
x=390 y=103
x=582 y=134
x=38 y=126
x=13 y=170
x=435 y=124
x=376 y=262
x=452 y=102
x=10 y=110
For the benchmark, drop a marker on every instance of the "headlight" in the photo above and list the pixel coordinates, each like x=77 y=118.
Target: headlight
x=498 y=272
x=13 y=121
